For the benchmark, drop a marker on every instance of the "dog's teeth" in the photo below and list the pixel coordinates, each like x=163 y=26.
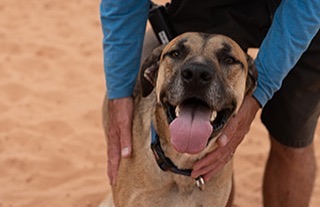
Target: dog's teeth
x=213 y=116
x=177 y=111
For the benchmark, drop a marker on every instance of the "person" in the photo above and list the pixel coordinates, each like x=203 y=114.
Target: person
x=288 y=90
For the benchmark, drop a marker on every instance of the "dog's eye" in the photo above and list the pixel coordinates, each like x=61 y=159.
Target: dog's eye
x=229 y=60
x=175 y=54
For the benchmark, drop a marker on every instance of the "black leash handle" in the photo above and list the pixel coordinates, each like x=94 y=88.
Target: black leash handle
x=160 y=24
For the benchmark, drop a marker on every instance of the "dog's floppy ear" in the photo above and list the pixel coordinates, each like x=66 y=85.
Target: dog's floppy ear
x=252 y=77
x=149 y=71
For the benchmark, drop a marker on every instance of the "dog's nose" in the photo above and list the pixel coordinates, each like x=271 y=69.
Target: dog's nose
x=197 y=74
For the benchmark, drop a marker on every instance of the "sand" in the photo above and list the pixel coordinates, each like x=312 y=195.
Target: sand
x=52 y=147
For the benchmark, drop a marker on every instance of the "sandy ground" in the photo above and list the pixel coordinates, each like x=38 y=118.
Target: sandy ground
x=52 y=148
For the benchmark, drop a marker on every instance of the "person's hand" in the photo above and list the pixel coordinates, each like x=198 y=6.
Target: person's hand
x=119 y=113
x=228 y=141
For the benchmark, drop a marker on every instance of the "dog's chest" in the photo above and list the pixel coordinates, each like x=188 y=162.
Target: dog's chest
x=173 y=199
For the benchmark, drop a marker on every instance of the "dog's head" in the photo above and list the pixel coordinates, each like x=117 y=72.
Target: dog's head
x=200 y=81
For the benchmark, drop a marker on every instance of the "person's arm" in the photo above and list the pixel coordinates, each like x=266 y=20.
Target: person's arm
x=123 y=24
x=295 y=24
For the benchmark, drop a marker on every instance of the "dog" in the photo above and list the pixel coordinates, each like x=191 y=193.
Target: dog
x=185 y=94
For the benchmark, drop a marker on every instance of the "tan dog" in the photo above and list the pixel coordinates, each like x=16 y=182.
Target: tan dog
x=186 y=93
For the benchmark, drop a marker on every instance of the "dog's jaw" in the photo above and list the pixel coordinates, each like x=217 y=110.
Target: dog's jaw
x=181 y=160
x=194 y=123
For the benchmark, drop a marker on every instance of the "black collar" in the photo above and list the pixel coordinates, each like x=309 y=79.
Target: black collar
x=164 y=162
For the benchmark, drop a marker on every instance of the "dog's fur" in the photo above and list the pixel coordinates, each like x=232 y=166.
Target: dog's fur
x=228 y=74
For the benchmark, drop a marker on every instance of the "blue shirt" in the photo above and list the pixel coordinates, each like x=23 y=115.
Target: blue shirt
x=295 y=24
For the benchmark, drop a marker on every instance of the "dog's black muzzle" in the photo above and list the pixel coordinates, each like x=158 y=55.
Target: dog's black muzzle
x=196 y=77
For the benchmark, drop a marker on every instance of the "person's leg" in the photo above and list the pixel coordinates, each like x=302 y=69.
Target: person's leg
x=289 y=176
x=291 y=117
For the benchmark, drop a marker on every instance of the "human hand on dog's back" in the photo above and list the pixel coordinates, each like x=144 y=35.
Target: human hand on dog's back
x=118 y=132
x=231 y=136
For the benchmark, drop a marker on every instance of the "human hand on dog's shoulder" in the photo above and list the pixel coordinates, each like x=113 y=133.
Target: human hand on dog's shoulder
x=228 y=141
x=118 y=132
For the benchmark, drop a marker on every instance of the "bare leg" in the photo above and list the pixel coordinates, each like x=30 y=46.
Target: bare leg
x=289 y=176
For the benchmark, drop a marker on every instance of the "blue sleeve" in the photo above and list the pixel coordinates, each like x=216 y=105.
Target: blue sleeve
x=295 y=24
x=123 y=25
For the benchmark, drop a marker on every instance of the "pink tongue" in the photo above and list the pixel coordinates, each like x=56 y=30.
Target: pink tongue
x=191 y=130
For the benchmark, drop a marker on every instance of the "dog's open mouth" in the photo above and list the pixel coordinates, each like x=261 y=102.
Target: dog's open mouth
x=193 y=123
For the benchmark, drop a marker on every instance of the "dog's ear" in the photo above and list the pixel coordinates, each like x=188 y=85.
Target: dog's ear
x=149 y=71
x=252 y=77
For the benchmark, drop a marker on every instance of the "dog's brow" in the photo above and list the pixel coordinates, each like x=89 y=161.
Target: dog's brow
x=225 y=51
x=180 y=46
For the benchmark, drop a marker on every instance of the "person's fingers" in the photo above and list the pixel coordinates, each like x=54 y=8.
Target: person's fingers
x=202 y=169
x=125 y=131
x=210 y=158
x=231 y=136
x=119 y=126
x=239 y=125
x=113 y=165
x=217 y=158
x=126 y=148
x=212 y=162
x=228 y=132
x=113 y=151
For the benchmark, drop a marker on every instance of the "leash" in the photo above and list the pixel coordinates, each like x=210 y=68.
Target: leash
x=160 y=24
x=166 y=164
